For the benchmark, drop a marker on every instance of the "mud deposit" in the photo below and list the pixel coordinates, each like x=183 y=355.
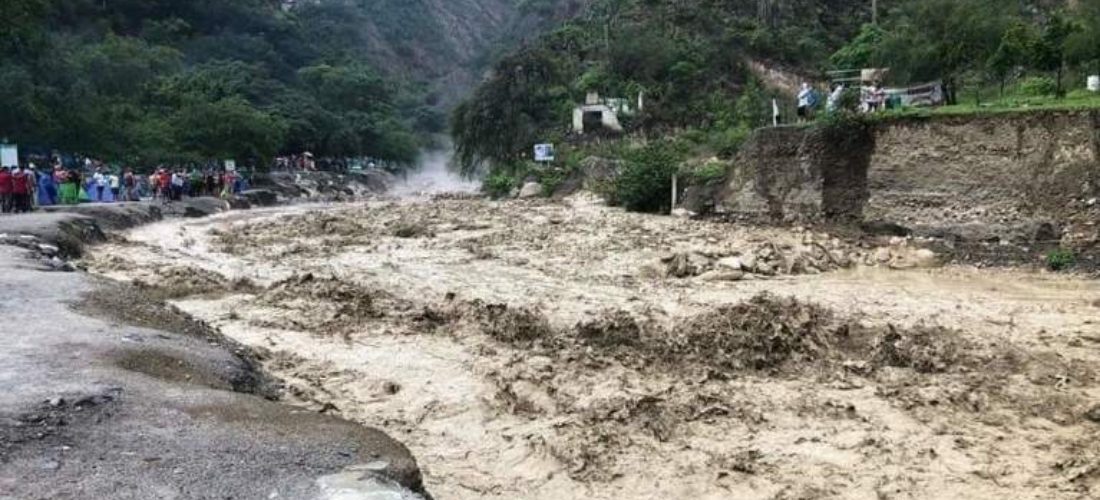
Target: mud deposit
x=571 y=351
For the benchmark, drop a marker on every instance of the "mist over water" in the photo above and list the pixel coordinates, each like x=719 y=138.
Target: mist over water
x=433 y=176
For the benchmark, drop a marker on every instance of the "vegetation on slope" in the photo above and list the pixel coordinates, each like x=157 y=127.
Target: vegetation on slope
x=688 y=58
x=175 y=81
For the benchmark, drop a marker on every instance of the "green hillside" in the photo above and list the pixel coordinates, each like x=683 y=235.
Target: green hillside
x=707 y=67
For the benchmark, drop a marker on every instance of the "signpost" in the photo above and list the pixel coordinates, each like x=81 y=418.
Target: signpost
x=544 y=153
x=9 y=155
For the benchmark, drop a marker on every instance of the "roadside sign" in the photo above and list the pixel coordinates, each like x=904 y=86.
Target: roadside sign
x=9 y=155
x=544 y=152
x=230 y=165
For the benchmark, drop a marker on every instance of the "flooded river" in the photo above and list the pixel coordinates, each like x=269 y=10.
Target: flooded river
x=545 y=350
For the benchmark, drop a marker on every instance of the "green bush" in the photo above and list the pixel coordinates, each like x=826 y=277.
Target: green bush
x=551 y=179
x=727 y=142
x=1038 y=86
x=707 y=173
x=499 y=184
x=1060 y=259
x=645 y=184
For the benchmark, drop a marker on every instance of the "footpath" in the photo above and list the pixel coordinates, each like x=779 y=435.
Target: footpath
x=110 y=394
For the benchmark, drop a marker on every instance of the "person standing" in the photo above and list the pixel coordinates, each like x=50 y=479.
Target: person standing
x=19 y=191
x=129 y=184
x=100 y=185
x=5 y=190
x=807 y=100
x=164 y=185
x=47 y=189
x=115 y=185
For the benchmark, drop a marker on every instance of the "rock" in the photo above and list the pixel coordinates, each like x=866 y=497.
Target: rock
x=1093 y=414
x=235 y=204
x=684 y=265
x=683 y=213
x=48 y=250
x=748 y=262
x=731 y=263
x=531 y=398
x=1091 y=202
x=884 y=228
x=261 y=197
x=193 y=213
x=882 y=255
x=925 y=258
x=722 y=275
x=531 y=190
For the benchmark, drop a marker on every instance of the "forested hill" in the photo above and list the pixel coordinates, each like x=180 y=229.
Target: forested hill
x=149 y=81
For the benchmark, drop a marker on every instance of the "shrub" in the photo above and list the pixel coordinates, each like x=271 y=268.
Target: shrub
x=499 y=184
x=1038 y=86
x=1060 y=259
x=707 y=173
x=645 y=184
x=551 y=178
x=727 y=142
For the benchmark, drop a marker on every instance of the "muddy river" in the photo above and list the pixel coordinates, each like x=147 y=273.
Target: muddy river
x=566 y=350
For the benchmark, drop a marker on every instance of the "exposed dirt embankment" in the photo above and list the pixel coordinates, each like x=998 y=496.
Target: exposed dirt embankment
x=992 y=188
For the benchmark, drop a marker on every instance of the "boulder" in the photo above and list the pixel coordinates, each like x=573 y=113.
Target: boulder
x=531 y=190
x=748 y=261
x=722 y=275
x=731 y=263
x=925 y=258
x=261 y=197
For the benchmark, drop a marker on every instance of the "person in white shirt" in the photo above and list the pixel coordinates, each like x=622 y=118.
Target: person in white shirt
x=100 y=184
x=113 y=182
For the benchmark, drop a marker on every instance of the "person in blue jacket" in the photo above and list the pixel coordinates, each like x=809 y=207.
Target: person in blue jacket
x=47 y=189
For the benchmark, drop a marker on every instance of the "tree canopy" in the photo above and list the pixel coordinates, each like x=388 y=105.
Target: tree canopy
x=155 y=81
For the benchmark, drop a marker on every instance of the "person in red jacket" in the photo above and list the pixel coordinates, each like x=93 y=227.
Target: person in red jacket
x=5 y=190
x=20 y=191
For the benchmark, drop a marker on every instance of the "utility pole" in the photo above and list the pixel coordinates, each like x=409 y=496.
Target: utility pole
x=874 y=12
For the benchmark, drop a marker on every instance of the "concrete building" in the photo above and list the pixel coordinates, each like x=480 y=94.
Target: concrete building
x=602 y=114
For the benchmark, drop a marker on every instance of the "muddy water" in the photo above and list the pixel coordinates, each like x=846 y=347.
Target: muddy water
x=490 y=419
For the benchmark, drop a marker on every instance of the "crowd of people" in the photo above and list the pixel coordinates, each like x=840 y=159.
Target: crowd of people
x=22 y=189
x=872 y=99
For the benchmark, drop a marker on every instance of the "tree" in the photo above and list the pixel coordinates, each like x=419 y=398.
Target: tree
x=944 y=39
x=1011 y=53
x=228 y=128
x=862 y=52
x=1048 y=53
x=22 y=25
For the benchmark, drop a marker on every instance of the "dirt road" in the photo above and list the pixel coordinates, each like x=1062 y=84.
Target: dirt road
x=567 y=350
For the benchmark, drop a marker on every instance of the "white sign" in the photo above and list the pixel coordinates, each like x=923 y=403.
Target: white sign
x=230 y=165
x=9 y=155
x=544 y=152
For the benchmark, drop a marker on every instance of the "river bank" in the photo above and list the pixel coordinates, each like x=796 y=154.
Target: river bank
x=112 y=393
